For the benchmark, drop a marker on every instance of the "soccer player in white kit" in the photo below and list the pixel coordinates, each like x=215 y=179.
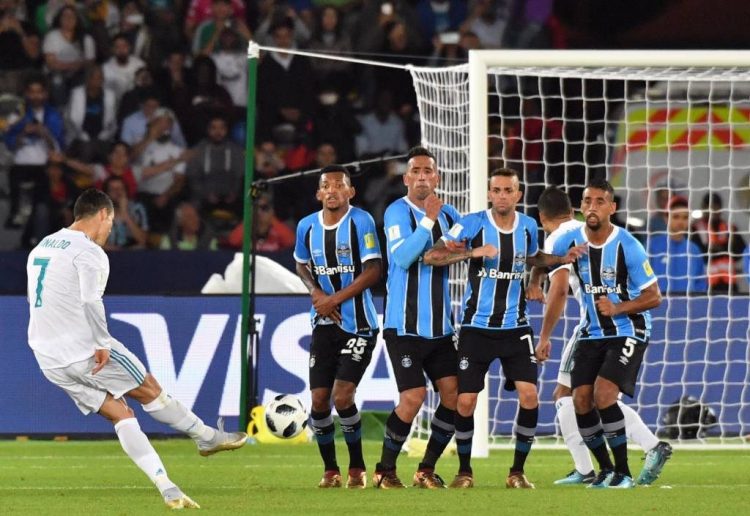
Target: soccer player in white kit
x=556 y=217
x=67 y=274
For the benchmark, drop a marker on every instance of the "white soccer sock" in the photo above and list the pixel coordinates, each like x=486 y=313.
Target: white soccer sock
x=136 y=445
x=636 y=429
x=566 y=414
x=169 y=411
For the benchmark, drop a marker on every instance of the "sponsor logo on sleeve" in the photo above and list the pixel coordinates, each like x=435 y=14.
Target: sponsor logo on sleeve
x=369 y=241
x=455 y=230
x=647 y=268
x=394 y=233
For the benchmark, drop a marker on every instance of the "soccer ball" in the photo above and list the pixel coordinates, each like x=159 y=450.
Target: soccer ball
x=286 y=417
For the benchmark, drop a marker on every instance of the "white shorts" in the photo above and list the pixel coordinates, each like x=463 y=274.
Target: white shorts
x=123 y=373
x=566 y=360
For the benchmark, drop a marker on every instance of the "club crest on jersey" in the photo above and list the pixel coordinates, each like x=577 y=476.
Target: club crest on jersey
x=609 y=274
x=312 y=361
x=519 y=262
x=463 y=365
x=343 y=250
x=406 y=361
x=317 y=252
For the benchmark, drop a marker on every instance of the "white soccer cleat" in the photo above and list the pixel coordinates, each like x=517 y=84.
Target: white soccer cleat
x=176 y=500
x=222 y=441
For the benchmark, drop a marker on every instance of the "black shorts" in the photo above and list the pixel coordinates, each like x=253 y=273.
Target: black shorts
x=413 y=357
x=338 y=355
x=616 y=359
x=477 y=348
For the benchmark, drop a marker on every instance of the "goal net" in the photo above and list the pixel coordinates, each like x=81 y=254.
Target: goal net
x=664 y=128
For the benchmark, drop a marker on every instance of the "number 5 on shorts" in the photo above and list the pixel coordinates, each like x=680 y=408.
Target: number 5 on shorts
x=629 y=347
x=40 y=262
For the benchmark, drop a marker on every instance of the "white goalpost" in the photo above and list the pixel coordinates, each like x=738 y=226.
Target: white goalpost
x=674 y=120
x=657 y=125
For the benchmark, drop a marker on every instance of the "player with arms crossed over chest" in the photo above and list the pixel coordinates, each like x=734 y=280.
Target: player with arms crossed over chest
x=556 y=216
x=500 y=241
x=338 y=259
x=618 y=287
x=67 y=274
x=418 y=327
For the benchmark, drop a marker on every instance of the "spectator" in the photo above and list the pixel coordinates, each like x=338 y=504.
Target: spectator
x=173 y=78
x=720 y=243
x=230 y=57
x=447 y=53
x=208 y=33
x=676 y=260
x=659 y=219
x=67 y=50
x=271 y=235
x=21 y=50
x=130 y=101
x=440 y=16
x=31 y=140
x=271 y=17
x=101 y=18
x=188 y=232
x=382 y=130
x=216 y=171
x=335 y=122
x=330 y=38
x=120 y=69
x=134 y=126
x=91 y=113
x=292 y=81
x=200 y=11
x=133 y=27
x=489 y=22
x=205 y=99
x=382 y=190
x=164 y=26
x=118 y=165
x=130 y=225
x=161 y=176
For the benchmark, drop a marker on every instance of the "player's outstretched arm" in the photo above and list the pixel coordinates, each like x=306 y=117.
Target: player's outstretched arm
x=443 y=254
x=542 y=259
x=556 y=298
x=650 y=297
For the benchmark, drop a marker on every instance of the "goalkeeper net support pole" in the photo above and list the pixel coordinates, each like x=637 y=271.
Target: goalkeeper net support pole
x=675 y=122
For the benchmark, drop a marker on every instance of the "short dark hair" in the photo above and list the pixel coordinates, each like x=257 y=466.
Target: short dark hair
x=602 y=184
x=36 y=78
x=503 y=172
x=712 y=200
x=335 y=169
x=91 y=202
x=420 y=151
x=554 y=203
x=678 y=201
x=112 y=179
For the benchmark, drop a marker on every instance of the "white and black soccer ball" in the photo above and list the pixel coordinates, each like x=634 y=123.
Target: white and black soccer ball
x=286 y=417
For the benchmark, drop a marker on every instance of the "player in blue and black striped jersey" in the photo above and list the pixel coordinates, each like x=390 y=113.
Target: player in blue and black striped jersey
x=418 y=326
x=618 y=287
x=495 y=323
x=338 y=259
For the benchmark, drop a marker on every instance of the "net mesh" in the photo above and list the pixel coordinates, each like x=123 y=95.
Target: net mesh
x=658 y=135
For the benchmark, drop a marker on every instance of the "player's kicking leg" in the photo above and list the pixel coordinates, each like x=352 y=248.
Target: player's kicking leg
x=137 y=446
x=166 y=409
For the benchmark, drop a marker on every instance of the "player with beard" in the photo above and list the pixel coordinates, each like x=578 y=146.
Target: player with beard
x=338 y=259
x=500 y=242
x=618 y=287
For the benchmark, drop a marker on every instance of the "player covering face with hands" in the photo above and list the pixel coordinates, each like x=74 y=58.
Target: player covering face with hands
x=67 y=275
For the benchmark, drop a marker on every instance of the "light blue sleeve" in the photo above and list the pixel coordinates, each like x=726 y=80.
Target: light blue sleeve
x=404 y=245
x=465 y=229
x=301 y=252
x=560 y=248
x=367 y=236
x=533 y=230
x=639 y=268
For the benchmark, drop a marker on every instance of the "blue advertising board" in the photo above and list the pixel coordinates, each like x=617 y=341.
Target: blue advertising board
x=191 y=345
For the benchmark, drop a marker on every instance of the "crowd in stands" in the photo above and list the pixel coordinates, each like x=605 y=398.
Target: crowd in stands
x=146 y=99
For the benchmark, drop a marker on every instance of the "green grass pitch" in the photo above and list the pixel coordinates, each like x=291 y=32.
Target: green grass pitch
x=95 y=477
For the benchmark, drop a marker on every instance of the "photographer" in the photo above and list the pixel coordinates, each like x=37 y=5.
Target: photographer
x=207 y=34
